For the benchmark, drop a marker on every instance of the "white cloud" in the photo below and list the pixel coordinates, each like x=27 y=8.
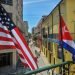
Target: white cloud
x=31 y=2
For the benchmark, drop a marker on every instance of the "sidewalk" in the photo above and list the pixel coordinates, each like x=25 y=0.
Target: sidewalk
x=42 y=60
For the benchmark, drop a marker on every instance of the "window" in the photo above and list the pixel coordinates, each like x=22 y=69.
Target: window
x=9 y=2
x=55 y=36
x=48 y=30
x=43 y=31
x=49 y=46
x=60 y=52
x=45 y=43
x=5 y=59
x=50 y=58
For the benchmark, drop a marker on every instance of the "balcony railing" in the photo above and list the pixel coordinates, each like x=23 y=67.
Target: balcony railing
x=47 y=68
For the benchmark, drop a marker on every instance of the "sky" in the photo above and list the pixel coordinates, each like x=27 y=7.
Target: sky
x=33 y=10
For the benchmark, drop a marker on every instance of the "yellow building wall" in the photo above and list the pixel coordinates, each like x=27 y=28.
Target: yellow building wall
x=46 y=25
x=68 y=13
x=55 y=20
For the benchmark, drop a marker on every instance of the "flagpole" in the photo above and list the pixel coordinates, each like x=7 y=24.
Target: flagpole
x=61 y=40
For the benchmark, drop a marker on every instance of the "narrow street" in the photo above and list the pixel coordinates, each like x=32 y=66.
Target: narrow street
x=42 y=61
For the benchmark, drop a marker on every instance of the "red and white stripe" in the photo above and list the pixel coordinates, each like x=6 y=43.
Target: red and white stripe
x=9 y=42
x=6 y=41
x=23 y=60
x=24 y=49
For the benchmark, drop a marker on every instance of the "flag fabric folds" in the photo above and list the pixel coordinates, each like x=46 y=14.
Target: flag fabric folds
x=6 y=41
x=24 y=48
x=65 y=37
x=24 y=51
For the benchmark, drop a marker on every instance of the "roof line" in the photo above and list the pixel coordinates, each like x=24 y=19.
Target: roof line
x=55 y=7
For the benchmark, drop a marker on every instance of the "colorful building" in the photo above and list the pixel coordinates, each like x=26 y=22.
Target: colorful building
x=49 y=32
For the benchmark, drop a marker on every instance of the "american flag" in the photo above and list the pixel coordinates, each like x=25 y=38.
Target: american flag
x=6 y=41
x=23 y=48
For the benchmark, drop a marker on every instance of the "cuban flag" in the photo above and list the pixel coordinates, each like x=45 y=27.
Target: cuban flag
x=65 y=38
